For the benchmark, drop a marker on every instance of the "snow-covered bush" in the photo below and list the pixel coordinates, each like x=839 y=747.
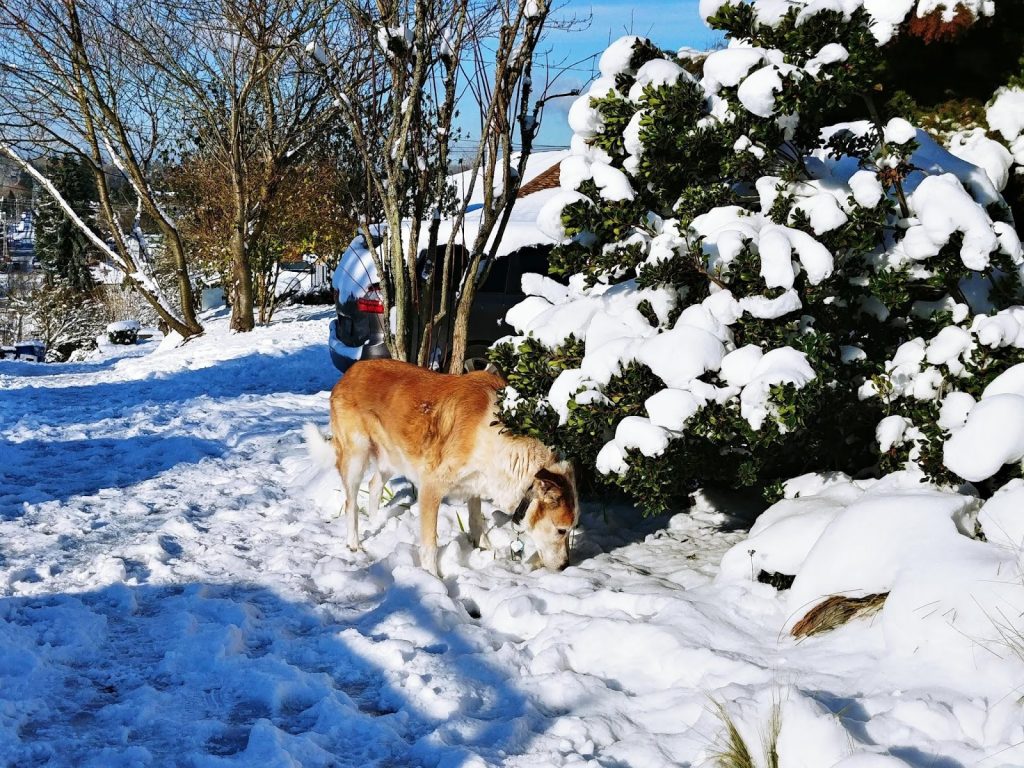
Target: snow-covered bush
x=124 y=332
x=64 y=318
x=745 y=272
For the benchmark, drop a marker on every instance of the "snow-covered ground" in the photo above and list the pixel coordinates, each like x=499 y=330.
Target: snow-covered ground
x=175 y=590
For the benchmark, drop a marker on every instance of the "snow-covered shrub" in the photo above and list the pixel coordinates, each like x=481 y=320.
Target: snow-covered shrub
x=64 y=318
x=124 y=332
x=744 y=271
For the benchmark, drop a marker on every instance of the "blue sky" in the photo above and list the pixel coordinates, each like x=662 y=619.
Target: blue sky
x=669 y=23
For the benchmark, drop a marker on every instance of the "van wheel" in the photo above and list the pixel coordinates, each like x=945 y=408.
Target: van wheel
x=476 y=360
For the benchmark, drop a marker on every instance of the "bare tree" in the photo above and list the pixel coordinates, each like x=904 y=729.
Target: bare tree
x=66 y=87
x=131 y=83
x=249 y=107
x=410 y=65
x=309 y=214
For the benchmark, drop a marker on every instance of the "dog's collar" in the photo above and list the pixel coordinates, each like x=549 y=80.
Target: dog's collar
x=520 y=514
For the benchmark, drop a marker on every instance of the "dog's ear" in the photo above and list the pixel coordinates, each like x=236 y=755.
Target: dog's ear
x=547 y=481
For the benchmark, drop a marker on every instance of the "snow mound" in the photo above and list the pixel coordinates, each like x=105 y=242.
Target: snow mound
x=909 y=540
x=992 y=436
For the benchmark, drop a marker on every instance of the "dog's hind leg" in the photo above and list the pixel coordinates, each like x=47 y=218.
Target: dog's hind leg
x=351 y=466
x=430 y=500
x=374 y=494
x=477 y=524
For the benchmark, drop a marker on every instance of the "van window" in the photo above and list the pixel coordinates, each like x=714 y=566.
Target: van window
x=526 y=260
x=496 y=278
x=533 y=260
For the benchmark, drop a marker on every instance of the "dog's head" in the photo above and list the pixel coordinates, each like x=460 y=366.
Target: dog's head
x=550 y=511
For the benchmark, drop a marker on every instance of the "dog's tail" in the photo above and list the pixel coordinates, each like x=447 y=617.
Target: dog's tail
x=319 y=445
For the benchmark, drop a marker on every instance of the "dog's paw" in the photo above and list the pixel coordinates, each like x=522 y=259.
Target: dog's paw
x=428 y=561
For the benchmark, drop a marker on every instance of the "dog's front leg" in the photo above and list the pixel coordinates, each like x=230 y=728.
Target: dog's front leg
x=477 y=524
x=430 y=500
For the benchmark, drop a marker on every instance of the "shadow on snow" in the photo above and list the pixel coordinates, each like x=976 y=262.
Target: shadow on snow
x=35 y=471
x=231 y=674
x=304 y=371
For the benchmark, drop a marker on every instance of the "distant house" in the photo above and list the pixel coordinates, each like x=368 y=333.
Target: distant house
x=13 y=181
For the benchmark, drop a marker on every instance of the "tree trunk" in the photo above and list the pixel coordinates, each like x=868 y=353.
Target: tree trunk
x=242 y=319
x=460 y=331
x=188 y=299
x=242 y=299
x=400 y=339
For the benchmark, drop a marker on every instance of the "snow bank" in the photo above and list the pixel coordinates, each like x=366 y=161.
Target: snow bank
x=784 y=534
x=1002 y=517
x=871 y=540
x=950 y=597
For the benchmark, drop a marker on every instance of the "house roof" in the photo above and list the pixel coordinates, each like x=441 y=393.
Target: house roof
x=548 y=179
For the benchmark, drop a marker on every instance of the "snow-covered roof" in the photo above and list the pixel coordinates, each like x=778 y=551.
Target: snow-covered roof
x=522 y=230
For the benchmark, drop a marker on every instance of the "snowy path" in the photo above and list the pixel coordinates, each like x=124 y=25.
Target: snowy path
x=174 y=591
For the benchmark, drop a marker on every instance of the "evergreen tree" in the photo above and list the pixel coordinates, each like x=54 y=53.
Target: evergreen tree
x=63 y=251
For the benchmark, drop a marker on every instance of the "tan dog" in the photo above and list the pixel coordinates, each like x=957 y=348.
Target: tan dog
x=442 y=432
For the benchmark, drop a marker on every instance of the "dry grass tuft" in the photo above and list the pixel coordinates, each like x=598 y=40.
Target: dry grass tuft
x=770 y=737
x=837 y=611
x=731 y=751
